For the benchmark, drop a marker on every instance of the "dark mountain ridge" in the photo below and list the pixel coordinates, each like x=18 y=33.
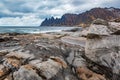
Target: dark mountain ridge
x=83 y=19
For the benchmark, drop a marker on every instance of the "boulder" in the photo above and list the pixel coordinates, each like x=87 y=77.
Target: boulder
x=20 y=55
x=75 y=59
x=26 y=74
x=79 y=66
x=98 y=28
x=115 y=28
x=100 y=22
x=97 y=31
x=51 y=67
x=12 y=63
x=60 y=61
x=33 y=62
x=104 y=49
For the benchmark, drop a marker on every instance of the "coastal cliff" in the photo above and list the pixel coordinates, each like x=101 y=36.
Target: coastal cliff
x=90 y=54
x=83 y=19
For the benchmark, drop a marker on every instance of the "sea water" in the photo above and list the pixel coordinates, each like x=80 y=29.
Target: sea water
x=32 y=29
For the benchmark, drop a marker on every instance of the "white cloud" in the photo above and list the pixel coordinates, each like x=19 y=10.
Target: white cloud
x=32 y=12
x=23 y=21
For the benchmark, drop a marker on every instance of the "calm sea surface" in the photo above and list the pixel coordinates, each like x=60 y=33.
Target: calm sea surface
x=29 y=29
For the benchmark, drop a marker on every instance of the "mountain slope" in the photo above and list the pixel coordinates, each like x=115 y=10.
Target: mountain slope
x=83 y=19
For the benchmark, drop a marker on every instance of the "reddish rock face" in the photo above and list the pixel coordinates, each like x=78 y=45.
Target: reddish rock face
x=83 y=19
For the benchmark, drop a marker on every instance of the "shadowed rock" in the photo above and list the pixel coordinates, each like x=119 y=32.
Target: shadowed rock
x=86 y=74
x=98 y=28
x=115 y=28
x=116 y=20
x=100 y=22
x=104 y=50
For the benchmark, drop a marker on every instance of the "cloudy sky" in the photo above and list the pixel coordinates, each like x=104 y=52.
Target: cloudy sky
x=33 y=12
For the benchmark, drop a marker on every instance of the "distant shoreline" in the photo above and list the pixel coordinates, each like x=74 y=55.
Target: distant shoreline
x=33 y=30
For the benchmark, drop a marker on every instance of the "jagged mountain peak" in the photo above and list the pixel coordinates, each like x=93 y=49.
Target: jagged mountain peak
x=85 y=18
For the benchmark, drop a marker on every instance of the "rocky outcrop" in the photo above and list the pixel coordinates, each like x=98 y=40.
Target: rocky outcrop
x=24 y=66
x=115 y=27
x=92 y=55
x=84 y=19
x=103 y=47
x=45 y=57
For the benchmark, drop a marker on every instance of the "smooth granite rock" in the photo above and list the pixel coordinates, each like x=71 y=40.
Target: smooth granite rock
x=115 y=27
x=104 y=50
x=26 y=74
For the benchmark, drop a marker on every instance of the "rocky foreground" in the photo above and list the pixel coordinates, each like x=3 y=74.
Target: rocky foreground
x=91 y=54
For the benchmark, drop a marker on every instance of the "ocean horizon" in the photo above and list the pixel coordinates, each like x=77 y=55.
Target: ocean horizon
x=32 y=29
